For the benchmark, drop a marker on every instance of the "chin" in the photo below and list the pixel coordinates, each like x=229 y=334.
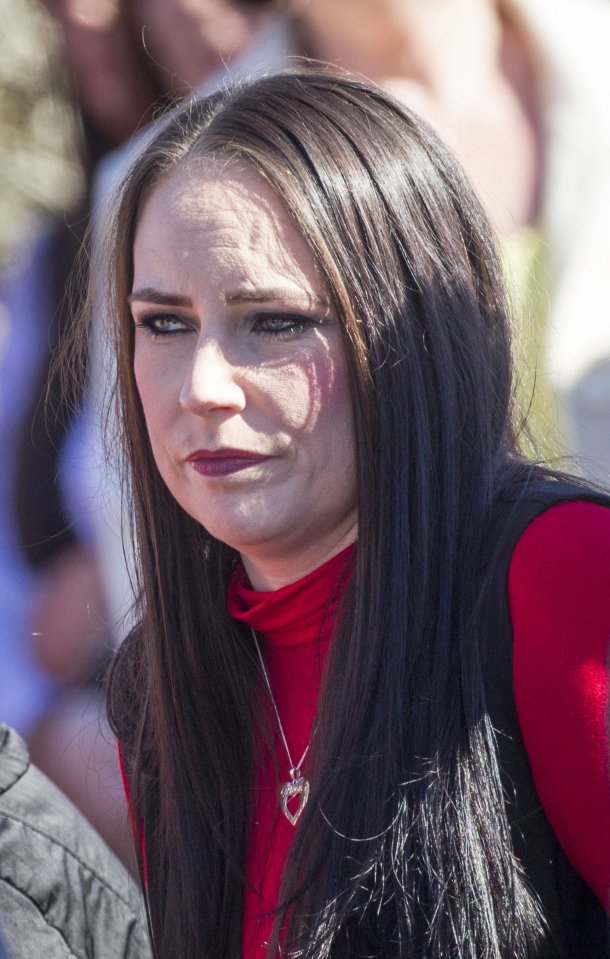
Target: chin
x=241 y=520
x=241 y=534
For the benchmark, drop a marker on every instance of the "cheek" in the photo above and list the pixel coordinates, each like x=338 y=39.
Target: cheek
x=145 y=386
x=154 y=397
x=156 y=394
x=311 y=397
x=331 y=417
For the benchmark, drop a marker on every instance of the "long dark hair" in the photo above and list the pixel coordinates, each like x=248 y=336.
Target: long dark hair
x=404 y=847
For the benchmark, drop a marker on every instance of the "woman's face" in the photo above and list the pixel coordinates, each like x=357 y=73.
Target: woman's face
x=240 y=367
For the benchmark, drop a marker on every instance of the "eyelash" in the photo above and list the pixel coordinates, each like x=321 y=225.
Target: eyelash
x=149 y=325
x=291 y=324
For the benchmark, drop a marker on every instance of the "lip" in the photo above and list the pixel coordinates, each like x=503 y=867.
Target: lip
x=223 y=462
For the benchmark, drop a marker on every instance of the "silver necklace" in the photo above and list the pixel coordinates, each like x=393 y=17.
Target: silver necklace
x=297 y=785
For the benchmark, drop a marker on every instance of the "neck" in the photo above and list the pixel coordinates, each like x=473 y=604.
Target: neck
x=270 y=572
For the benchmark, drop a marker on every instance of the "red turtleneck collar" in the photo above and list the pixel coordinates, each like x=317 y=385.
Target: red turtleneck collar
x=298 y=613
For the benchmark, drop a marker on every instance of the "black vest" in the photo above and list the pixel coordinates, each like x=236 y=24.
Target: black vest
x=578 y=924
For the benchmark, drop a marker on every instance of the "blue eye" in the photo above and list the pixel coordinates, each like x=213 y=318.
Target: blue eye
x=282 y=324
x=162 y=324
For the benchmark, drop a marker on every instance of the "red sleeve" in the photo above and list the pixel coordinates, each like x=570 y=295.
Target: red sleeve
x=559 y=591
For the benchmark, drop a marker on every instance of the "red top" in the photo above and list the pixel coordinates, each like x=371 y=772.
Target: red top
x=559 y=590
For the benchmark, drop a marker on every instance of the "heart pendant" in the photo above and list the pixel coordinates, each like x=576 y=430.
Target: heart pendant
x=298 y=787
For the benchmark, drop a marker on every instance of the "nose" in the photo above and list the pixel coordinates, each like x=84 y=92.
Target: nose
x=212 y=382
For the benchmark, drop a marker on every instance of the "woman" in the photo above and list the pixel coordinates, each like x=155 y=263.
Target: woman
x=320 y=739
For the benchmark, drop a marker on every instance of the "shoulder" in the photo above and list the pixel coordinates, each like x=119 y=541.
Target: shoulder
x=559 y=598
x=62 y=892
x=560 y=565
x=574 y=527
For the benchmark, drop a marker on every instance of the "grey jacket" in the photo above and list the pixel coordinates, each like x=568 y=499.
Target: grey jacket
x=63 y=894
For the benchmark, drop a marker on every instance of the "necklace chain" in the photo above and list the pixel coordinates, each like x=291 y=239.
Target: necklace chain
x=294 y=770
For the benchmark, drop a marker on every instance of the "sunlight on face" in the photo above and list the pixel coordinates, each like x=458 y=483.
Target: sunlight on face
x=241 y=371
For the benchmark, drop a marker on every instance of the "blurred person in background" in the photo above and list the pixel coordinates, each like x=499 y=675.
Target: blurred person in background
x=48 y=568
x=518 y=90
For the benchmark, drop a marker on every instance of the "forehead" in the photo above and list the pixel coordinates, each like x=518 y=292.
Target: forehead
x=225 y=216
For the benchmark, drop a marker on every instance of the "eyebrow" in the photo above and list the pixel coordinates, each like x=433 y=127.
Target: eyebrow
x=150 y=295
x=273 y=295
